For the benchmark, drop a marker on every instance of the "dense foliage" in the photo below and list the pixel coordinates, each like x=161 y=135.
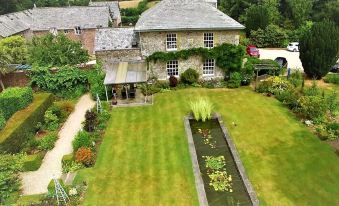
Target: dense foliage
x=10 y=165
x=83 y=139
x=201 y=109
x=271 y=36
x=22 y=124
x=319 y=49
x=131 y=15
x=85 y=156
x=91 y=121
x=47 y=142
x=235 y=80
x=66 y=81
x=332 y=78
x=14 y=99
x=50 y=50
x=16 y=48
x=96 y=78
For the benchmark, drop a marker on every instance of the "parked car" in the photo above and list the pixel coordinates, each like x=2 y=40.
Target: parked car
x=293 y=46
x=253 y=51
x=335 y=68
x=282 y=61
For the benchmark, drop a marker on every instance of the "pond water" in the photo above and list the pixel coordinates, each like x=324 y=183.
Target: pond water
x=216 y=146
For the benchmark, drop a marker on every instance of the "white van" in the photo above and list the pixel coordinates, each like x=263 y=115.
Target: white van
x=293 y=47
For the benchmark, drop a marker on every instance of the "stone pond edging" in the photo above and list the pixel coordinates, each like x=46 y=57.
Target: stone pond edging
x=198 y=179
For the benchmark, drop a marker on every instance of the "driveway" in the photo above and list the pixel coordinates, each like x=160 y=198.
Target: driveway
x=292 y=57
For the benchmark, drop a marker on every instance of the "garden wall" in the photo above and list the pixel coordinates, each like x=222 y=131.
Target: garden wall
x=15 y=79
x=22 y=124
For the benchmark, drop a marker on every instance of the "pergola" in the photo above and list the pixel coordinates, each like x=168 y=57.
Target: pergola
x=125 y=73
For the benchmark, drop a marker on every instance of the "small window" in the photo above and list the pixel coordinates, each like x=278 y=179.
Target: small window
x=172 y=68
x=171 y=42
x=77 y=30
x=208 y=40
x=66 y=31
x=208 y=67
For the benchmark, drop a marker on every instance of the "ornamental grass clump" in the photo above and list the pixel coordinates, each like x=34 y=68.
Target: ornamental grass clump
x=201 y=109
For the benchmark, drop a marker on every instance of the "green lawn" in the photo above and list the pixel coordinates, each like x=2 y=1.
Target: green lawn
x=144 y=158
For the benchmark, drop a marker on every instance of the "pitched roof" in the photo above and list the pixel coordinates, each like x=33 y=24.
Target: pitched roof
x=114 y=39
x=185 y=15
x=14 y=23
x=112 y=5
x=69 y=17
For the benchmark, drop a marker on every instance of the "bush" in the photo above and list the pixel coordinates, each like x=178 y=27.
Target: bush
x=332 y=102
x=14 y=99
x=69 y=164
x=201 y=109
x=22 y=124
x=173 y=81
x=332 y=78
x=274 y=85
x=33 y=162
x=289 y=98
x=84 y=156
x=235 y=80
x=149 y=89
x=95 y=79
x=313 y=90
x=316 y=56
x=296 y=79
x=312 y=107
x=2 y=121
x=271 y=36
x=10 y=165
x=66 y=107
x=190 y=76
x=51 y=120
x=83 y=139
x=90 y=121
x=47 y=142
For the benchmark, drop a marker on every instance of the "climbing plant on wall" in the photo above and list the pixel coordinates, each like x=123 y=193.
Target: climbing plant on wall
x=228 y=57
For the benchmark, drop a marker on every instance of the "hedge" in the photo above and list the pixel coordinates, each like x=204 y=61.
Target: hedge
x=22 y=124
x=14 y=99
x=33 y=162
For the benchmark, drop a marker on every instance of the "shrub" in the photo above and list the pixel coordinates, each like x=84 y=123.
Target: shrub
x=2 y=121
x=69 y=164
x=312 y=107
x=103 y=118
x=201 y=109
x=47 y=142
x=212 y=83
x=316 y=56
x=83 y=139
x=33 y=162
x=313 y=90
x=296 y=78
x=95 y=79
x=332 y=78
x=55 y=110
x=66 y=107
x=332 y=102
x=51 y=120
x=10 y=165
x=173 y=81
x=289 y=98
x=14 y=99
x=84 y=156
x=90 y=121
x=22 y=124
x=273 y=85
x=235 y=80
x=190 y=76
x=149 y=89
x=271 y=36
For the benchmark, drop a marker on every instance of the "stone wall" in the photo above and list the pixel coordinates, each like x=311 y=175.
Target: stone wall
x=159 y=69
x=151 y=42
x=86 y=37
x=108 y=58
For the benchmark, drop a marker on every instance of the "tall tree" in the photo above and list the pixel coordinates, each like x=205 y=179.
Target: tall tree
x=235 y=8
x=257 y=17
x=319 y=49
x=298 y=11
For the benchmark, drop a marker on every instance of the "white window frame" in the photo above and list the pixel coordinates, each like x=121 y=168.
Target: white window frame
x=172 y=68
x=171 y=42
x=77 y=30
x=208 y=67
x=209 y=40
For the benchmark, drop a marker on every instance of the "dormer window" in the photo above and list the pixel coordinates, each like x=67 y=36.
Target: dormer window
x=171 y=42
x=208 y=40
x=77 y=30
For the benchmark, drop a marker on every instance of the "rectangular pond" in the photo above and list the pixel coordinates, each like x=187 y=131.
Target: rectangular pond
x=224 y=185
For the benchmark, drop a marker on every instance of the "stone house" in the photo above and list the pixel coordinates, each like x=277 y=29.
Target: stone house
x=174 y=25
x=77 y=22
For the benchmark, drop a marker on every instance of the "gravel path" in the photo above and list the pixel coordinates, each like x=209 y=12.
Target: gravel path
x=36 y=182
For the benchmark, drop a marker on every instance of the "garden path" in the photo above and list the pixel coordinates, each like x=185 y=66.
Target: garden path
x=36 y=182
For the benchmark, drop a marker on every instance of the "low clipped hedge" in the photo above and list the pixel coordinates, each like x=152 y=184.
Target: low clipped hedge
x=14 y=99
x=33 y=162
x=22 y=124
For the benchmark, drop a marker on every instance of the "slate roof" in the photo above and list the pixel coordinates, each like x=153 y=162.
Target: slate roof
x=69 y=17
x=112 y=5
x=114 y=39
x=14 y=23
x=185 y=15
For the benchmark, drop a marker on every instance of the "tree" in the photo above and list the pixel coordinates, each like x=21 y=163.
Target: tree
x=271 y=36
x=16 y=48
x=298 y=11
x=327 y=10
x=5 y=60
x=257 y=17
x=235 y=8
x=319 y=49
x=50 y=50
